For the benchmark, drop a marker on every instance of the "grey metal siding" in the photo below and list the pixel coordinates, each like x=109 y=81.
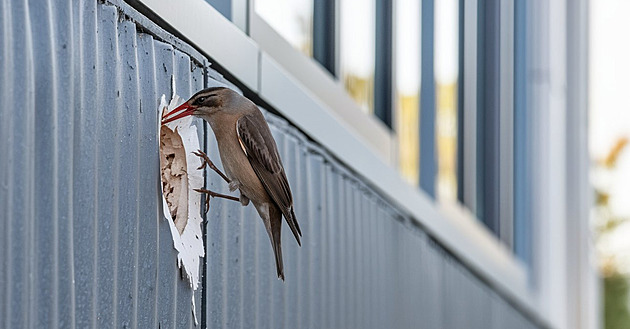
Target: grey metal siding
x=84 y=244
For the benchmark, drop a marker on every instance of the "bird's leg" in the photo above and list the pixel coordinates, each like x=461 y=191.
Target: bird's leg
x=209 y=193
x=206 y=161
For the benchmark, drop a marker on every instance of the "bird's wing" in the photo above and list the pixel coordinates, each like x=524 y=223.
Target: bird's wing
x=258 y=143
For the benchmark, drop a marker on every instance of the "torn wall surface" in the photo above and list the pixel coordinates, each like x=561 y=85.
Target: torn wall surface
x=179 y=176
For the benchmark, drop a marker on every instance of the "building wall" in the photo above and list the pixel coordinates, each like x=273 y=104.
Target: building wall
x=84 y=243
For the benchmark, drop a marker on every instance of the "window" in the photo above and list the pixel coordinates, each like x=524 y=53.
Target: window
x=357 y=50
x=495 y=118
x=351 y=39
x=447 y=87
x=491 y=134
x=292 y=19
x=408 y=87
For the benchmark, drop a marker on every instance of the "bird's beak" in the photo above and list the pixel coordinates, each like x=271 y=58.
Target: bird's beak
x=181 y=111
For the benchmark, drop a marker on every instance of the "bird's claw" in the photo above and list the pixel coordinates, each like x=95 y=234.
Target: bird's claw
x=207 y=199
x=214 y=195
x=205 y=160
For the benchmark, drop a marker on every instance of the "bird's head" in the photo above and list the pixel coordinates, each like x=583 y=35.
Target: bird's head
x=205 y=103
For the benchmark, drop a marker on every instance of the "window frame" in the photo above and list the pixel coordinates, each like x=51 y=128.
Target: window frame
x=384 y=63
x=487 y=132
x=522 y=122
x=428 y=160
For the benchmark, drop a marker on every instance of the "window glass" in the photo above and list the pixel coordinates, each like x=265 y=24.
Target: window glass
x=222 y=6
x=357 y=34
x=292 y=19
x=446 y=85
x=407 y=27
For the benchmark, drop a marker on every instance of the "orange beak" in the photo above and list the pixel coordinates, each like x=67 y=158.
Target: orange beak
x=181 y=111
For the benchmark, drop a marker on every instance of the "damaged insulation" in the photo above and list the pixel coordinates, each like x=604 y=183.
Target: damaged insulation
x=179 y=177
x=174 y=176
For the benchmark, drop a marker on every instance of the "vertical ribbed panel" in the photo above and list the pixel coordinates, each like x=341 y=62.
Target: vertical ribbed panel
x=359 y=266
x=83 y=243
x=465 y=303
x=505 y=315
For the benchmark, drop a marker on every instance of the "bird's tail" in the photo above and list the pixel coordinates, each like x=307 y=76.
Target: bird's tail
x=275 y=218
x=293 y=224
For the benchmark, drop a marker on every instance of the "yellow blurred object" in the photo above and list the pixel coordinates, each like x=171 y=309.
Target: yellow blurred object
x=446 y=135
x=408 y=137
x=361 y=90
x=612 y=156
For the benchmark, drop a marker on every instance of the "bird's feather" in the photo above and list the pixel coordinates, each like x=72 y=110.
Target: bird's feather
x=275 y=222
x=262 y=152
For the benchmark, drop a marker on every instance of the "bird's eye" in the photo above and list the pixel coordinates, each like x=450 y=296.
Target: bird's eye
x=200 y=100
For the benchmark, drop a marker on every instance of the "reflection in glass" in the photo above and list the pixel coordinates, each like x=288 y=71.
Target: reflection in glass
x=408 y=87
x=357 y=50
x=446 y=76
x=293 y=19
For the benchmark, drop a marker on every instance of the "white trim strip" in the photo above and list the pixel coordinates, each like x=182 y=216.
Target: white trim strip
x=213 y=34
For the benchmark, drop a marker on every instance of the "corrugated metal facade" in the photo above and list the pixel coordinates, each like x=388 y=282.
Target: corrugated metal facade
x=84 y=243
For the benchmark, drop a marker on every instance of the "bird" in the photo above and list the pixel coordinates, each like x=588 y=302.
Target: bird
x=250 y=158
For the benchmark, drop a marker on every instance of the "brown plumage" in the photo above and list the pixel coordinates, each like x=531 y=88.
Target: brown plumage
x=249 y=156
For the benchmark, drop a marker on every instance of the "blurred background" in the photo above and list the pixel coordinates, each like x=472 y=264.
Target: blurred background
x=609 y=130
